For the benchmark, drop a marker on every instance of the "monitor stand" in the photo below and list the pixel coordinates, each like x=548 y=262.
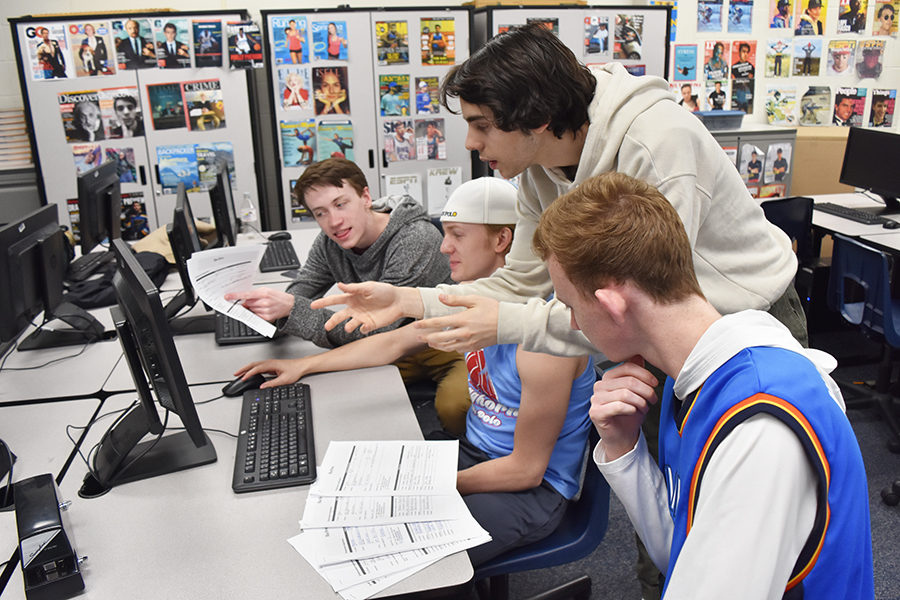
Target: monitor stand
x=891 y=206
x=85 y=329
x=187 y=325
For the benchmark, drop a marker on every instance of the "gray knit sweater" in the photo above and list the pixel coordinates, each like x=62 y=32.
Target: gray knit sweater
x=407 y=253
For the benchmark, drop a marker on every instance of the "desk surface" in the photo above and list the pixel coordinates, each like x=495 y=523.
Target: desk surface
x=187 y=535
x=836 y=224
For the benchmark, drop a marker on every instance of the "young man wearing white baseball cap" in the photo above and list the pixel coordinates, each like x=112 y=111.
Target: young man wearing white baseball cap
x=526 y=431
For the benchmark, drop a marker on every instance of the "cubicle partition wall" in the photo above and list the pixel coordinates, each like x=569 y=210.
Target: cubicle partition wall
x=92 y=92
x=362 y=84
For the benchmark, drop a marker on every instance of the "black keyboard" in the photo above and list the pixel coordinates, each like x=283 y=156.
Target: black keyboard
x=854 y=214
x=84 y=266
x=231 y=331
x=275 y=446
x=279 y=256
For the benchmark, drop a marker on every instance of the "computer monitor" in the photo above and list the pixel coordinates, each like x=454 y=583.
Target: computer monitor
x=33 y=262
x=222 y=202
x=867 y=165
x=121 y=456
x=99 y=205
x=185 y=241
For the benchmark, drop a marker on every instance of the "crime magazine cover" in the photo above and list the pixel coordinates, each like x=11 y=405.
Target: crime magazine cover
x=205 y=104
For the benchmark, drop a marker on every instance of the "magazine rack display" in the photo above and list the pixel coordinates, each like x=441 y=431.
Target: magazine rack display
x=163 y=94
x=363 y=84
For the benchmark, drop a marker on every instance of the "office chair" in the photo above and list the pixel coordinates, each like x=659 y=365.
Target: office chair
x=581 y=530
x=877 y=315
x=794 y=216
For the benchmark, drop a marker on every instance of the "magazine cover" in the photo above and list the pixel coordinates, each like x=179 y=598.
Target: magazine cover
x=72 y=206
x=716 y=95
x=427 y=99
x=166 y=106
x=810 y=17
x=781 y=14
x=636 y=70
x=751 y=165
x=399 y=142
x=742 y=95
x=549 y=23
x=134 y=216
x=124 y=158
x=869 y=56
x=87 y=156
x=293 y=88
x=208 y=156
x=298 y=142
x=715 y=59
x=886 y=16
x=393 y=90
x=754 y=191
x=331 y=91
x=883 y=103
x=685 y=62
x=440 y=184
x=244 y=46
x=81 y=116
x=135 y=48
x=205 y=104
x=778 y=58
x=688 y=93
x=120 y=109
x=849 y=103
x=48 y=52
x=298 y=211
x=772 y=190
x=840 y=57
x=438 y=41
x=336 y=140
x=329 y=39
x=673 y=16
x=778 y=162
x=430 y=141
x=92 y=48
x=709 y=15
x=596 y=35
x=393 y=42
x=290 y=43
x=404 y=185
x=207 y=43
x=629 y=30
x=740 y=16
x=173 y=43
x=781 y=104
x=807 y=57
x=852 y=16
x=815 y=106
x=743 y=59
x=178 y=164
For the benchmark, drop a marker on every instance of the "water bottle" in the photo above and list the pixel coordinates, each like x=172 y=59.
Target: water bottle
x=248 y=215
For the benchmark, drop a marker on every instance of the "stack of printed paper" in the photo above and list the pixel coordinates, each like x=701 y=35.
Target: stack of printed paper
x=380 y=511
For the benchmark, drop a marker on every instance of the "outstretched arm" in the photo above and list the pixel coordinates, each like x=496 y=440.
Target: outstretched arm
x=370 y=305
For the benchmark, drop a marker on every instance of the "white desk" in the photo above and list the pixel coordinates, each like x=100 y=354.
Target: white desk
x=836 y=224
x=187 y=535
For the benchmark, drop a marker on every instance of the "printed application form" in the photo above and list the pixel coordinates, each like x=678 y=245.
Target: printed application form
x=218 y=271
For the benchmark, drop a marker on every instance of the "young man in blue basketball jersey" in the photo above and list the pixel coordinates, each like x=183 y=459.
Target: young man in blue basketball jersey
x=760 y=489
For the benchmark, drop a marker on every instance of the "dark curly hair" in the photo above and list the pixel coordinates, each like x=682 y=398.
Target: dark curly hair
x=527 y=77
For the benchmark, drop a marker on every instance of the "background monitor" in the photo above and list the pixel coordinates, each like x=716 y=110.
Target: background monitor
x=222 y=202
x=99 y=205
x=33 y=264
x=867 y=165
x=150 y=352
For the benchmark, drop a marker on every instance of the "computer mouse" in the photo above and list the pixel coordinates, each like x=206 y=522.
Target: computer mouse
x=280 y=235
x=891 y=224
x=239 y=386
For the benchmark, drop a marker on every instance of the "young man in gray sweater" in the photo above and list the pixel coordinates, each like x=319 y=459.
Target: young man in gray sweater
x=391 y=240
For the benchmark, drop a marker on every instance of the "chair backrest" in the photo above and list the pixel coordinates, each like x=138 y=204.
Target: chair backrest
x=581 y=530
x=794 y=217
x=869 y=268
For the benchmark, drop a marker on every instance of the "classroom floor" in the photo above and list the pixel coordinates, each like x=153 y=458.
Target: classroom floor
x=611 y=566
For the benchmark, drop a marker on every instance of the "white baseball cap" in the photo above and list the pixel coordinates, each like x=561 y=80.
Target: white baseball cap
x=485 y=201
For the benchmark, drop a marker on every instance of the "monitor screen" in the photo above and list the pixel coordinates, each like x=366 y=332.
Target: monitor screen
x=222 y=201
x=866 y=164
x=99 y=206
x=33 y=263
x=150 y=352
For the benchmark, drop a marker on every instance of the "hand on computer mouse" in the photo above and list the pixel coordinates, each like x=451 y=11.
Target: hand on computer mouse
x=239 y=385
x=279 y=235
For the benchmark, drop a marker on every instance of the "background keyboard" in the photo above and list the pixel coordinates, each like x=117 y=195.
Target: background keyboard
x=231 y=331
x=275 y=446
x=279 y=256
x=853 y=214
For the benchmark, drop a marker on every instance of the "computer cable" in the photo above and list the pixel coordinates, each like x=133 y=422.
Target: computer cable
x=49 y=362
x=219 y=397
x=9 y=480
x=71 y=427
x=8 y=353
x=150 y=447
x=222 y=431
